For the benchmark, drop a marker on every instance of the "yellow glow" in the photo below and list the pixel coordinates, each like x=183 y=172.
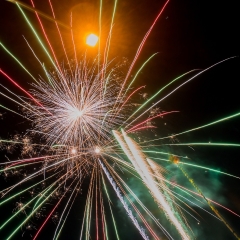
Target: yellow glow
x=92 y=40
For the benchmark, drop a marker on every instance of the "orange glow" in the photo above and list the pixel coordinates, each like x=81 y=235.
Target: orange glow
x=174 y=159
x=92 y=40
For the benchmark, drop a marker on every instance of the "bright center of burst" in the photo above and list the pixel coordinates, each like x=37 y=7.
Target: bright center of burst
x=79 y=113
x=76 y=113
x=97 y=150
x=73 y=151
x=92 y=40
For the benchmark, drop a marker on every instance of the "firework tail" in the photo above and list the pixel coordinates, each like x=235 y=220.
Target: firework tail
x=26 y=92
x=144 y=208
x=159 y=178
x=109 y=202
x=176 y=160
x=158 y=196
x=200 y=127
x=141 y=46
x=26 y=6
x=135 y=155
x=194 y=165
x=161 y=99
x=129 y=212
x=48 y=217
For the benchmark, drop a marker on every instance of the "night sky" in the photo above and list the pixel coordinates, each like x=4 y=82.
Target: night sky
x=189 y=35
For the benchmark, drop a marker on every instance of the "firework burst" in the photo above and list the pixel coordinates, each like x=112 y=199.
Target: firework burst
x=75 y=150
x=78 y=108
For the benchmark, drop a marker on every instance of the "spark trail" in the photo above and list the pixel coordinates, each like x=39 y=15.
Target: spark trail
x=117 y=191
x=140 y=164
x=176 y=160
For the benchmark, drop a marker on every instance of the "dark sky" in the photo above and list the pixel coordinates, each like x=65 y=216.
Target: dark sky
x=189 y=35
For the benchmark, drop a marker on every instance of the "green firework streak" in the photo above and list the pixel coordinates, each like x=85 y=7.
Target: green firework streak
x=15 y=58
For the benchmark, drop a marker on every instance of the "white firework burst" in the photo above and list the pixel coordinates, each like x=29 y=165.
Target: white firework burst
x=80 y=106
